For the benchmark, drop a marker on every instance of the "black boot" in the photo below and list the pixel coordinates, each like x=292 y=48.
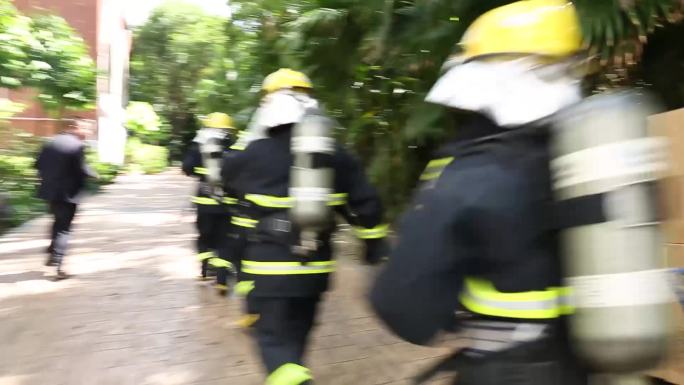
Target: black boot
x=658 y=381
x=50 y=260
x=61 y=274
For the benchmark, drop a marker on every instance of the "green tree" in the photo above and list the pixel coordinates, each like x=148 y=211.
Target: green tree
x=372 y=63
x=144 y=123
x=662 y=67
x=15 y=41
x=173 y=53
x=63 y=71
x=47 y=54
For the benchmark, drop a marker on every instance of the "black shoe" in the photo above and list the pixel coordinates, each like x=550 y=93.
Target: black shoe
x=61 y=275
x=659 y=381
x=50 y=261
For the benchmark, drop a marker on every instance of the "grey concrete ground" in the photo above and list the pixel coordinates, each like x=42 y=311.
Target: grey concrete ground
x=134 y=315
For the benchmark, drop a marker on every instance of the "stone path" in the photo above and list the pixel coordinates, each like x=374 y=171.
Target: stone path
x=133 y=314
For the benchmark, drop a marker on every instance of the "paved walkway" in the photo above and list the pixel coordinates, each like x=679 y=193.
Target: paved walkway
x=134 y=315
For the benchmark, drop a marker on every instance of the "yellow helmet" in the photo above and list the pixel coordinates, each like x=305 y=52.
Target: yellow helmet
x=537 y=27
x=285 y=78
x=218 y=120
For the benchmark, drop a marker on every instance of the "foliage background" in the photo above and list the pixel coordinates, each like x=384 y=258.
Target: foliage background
x=44 y=53
x=372 y=62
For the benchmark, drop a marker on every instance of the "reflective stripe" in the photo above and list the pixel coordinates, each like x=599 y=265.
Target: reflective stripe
x=204 y=201
x=311 y=194
x=289 y=374
x=201 y=170
x=565 y=299
x=220 y=286
x=430 y=175
x=313 y=144
x=338 y=199
x=243 y=288
x=230 y=201
x=244 y=222
x=241 y=142
x=220 y=262
x=435 y=167
x=481 y=297
x=376 y=232
x=492 y=336
x=247 y=320
x=287 y=268
x=270 y=201
x=205 y=255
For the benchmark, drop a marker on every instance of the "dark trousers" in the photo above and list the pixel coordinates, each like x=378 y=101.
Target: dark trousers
x=232 y=250
x=211 y=228
x=251 y=304
x=63 y=213
x=283 y=329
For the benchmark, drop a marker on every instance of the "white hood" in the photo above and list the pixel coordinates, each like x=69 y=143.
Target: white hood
x=510 y=92
x=276 y=109
x=206 y=133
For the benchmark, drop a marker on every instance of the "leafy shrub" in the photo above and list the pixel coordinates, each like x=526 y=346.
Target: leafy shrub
x=18 y=181
x=107 y=172
x=144 y=123
x=146 y=158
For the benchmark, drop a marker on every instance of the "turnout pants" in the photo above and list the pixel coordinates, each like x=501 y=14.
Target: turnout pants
x=63 y=213
x=282 y=333
x=211 y=227
x=231 y=252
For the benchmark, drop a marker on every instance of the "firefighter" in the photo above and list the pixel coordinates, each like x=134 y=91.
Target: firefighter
x=239 y=228
x=203 y=161
x=539 y=189
x=476 y=252
x=228 y=263
x=285 y=282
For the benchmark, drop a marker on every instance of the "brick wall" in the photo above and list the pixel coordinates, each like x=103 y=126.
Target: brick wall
x=81 y=15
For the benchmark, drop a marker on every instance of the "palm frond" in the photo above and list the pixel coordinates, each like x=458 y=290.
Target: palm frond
x=616 y=31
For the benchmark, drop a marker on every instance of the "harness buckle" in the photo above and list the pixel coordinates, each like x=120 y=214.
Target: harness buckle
x=282 y=225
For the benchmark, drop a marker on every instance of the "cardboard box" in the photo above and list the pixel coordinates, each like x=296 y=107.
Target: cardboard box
x=671 y=208
x=671 y=125
x=675 y=255
x=672 y=370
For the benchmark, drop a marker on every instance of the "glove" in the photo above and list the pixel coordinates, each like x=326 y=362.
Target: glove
x=377 y=251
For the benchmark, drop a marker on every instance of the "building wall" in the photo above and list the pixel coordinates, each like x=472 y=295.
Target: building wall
x=114 y=45
x=81 y=15
x=101 y=24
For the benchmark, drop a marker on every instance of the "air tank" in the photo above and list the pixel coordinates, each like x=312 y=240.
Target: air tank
x=212 y=155
x=605 y=168
x=312 y=174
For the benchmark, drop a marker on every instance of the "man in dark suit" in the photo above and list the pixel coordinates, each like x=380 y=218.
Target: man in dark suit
x=63 y=171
